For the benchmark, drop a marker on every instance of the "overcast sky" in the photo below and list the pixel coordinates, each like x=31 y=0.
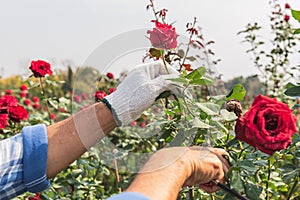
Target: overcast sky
x=68 y=31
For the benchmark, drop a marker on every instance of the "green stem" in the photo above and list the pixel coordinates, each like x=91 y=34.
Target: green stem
x=294 y=187
x=45 y=97
x=185 y=102
x=269 y=175
x=191 y=193
x=164 y=60
x=240 y=154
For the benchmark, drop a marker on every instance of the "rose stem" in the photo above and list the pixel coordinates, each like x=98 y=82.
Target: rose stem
x=269 y=175
x=45 y=97
x=188 y=46
x=153 y=9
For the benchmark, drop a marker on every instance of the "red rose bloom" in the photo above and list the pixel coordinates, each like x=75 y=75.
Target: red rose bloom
x=36 y=106
x=100 y=95
x=268 y=125
x=23 y=88
x=110 y=75
x=40 y=68
x=61 y=110
x=8 y=92
x=7 y=101
x=35 y=99
x=286 y=18
x=287 y=6
x=163 y=36
x=3 y=120
x=27 y=102
x=77 y=99
x=17 y=113
x=111 y=90
x=52 y=116
x=133 y=123
x=23 y=94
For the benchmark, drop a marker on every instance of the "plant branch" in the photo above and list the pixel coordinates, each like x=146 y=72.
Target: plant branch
x=46 y=98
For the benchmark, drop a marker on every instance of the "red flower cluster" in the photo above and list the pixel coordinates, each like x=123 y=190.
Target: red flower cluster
x=10 y=109
x=163 y=36
x=40 y=68
x=268 y=125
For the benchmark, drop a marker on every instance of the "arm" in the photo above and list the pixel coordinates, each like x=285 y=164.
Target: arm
x=70 y=138
x=169 y=169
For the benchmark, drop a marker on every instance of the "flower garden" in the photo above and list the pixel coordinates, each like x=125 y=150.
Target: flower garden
x=259 y=129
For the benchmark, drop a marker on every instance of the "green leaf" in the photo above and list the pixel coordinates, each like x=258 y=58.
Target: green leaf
x=236 y=182
x=196 y=74
x=202 y=81
x=289 y=85
x=155 y=52
x=228 y=116
x=200 y=124
x=288 y=176
x=180 y=53
x=296 y=15
x=53 y=103
x=237 y=92
x=191 y=58
x=209 y=108
x=253 y=191
x=232 y=142
x=179 y=80
x=296 y=106
x=293 y=92
x=248 y=165
x=297 y=31
x=219 y=125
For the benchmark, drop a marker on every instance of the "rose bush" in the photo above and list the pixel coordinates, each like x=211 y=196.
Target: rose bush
x=268 y=125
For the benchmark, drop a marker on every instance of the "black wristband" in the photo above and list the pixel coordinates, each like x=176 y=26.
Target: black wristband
x=106 y=103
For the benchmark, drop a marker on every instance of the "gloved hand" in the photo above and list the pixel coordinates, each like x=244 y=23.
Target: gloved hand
x=139 y=90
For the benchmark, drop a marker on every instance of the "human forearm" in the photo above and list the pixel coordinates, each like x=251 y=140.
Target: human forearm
x=162 y=177
x=70 y=138
x=169 y=169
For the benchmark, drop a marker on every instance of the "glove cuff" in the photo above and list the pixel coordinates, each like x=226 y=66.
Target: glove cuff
x=119 y=106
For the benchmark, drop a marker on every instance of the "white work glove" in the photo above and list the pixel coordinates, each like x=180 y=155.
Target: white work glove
x=139 y=90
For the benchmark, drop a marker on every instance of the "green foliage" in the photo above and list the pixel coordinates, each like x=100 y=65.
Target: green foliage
x=296 y=14
x=237 y=92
